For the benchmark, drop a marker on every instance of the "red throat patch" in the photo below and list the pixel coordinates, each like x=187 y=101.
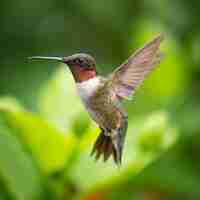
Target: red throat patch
x=82 y=74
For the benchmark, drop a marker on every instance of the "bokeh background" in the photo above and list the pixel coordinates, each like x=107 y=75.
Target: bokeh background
x=45 y=134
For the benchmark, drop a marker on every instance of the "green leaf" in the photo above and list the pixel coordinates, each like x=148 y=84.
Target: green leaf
x=155 y=134
x=10 y=103
x=50 y=148
x=17 y=170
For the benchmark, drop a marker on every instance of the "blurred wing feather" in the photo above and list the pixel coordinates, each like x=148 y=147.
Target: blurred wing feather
x=131 y=74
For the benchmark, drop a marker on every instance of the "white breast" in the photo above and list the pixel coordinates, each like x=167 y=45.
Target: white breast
x=87 y=88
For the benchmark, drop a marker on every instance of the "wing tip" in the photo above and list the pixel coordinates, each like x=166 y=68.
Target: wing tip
x=159 y=38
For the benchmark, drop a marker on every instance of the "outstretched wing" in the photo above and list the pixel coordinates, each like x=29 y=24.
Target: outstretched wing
x=126 y=78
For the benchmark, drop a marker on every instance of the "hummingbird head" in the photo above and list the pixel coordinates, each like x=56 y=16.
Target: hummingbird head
x=82 y=66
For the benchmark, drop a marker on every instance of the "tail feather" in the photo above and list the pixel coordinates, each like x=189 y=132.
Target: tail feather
x=108 y=149
x=117 y=150
x=107 y=146
x=111 y=143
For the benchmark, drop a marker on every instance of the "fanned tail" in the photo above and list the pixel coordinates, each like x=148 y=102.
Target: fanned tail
x=110 y=144
x=104 y=146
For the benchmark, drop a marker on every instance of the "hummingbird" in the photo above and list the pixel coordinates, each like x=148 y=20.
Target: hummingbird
x=103 y=96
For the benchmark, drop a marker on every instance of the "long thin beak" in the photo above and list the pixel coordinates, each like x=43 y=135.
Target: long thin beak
x=60 y=59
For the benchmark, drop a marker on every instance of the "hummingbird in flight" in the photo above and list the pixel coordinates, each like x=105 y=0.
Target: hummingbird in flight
x=103 y=96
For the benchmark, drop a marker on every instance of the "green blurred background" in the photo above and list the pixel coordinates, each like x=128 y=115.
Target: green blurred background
x=45 y=134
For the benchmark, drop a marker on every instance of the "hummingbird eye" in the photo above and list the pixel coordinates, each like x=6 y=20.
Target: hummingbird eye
x=81 y=62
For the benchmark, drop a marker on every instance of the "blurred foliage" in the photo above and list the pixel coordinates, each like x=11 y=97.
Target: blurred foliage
x=45 y=133
x=63 y=155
